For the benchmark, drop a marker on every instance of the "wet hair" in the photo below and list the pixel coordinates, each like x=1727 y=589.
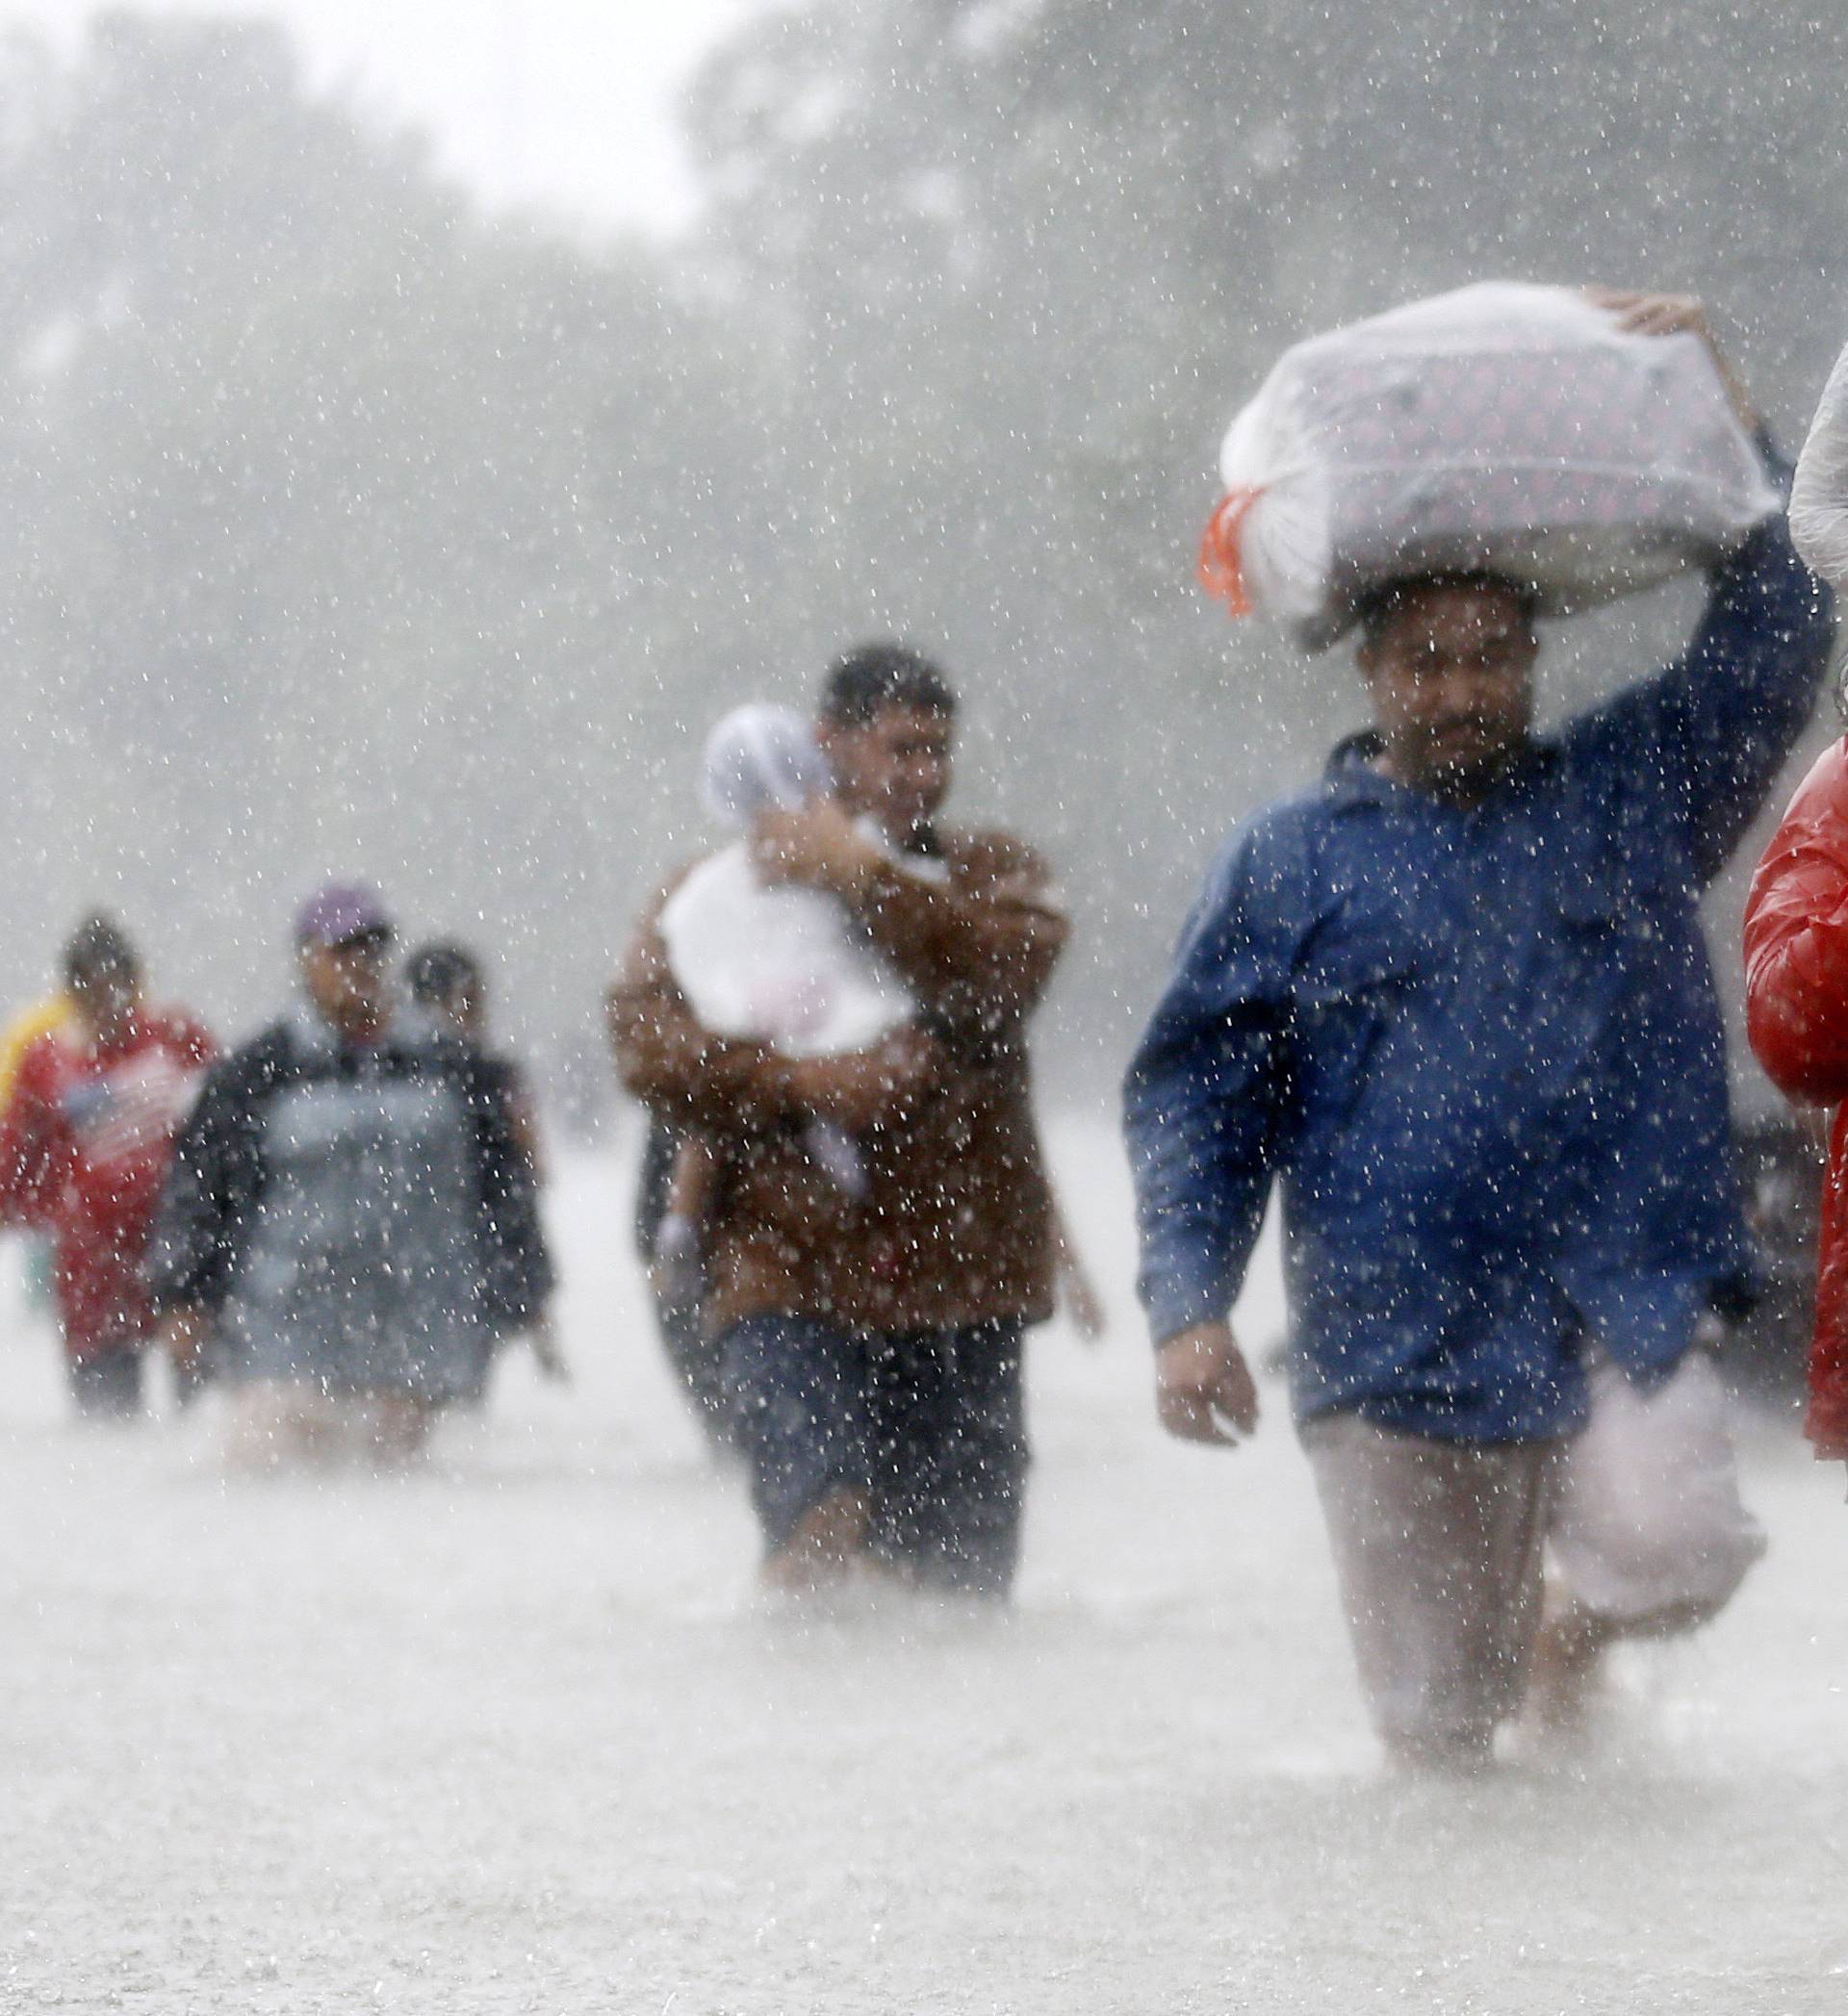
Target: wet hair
x=99 y=949
x=876 y=676
x=1375 y=609
x=438 y=972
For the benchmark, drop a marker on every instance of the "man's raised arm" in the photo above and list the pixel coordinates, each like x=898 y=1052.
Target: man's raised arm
x=1716 y=725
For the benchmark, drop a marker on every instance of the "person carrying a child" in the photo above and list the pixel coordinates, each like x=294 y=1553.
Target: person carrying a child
x=777 y=962
x=868 y=1195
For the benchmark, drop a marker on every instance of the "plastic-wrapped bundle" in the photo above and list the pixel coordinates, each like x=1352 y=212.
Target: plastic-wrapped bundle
x=1505 y=428
x=778 y=962
x=1648 y=1516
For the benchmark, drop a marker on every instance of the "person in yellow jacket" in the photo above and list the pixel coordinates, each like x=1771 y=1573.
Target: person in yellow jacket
x=53 y=1016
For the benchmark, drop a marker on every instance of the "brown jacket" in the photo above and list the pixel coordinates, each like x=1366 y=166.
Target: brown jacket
x=955 y=1226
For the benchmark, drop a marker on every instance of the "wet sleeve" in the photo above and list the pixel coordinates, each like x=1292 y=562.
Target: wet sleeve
x=193 y=1252
x=1206 y=1092
x=685 y=1075
x=1706 y=738
x=1796 y=942
x=518 y=1273
x=984 y=945
x=193 y=1042
x=1819 y=495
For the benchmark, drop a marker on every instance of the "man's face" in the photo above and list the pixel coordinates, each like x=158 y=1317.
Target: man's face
x=350 y=983
x=1451 y=681
x=895 y=767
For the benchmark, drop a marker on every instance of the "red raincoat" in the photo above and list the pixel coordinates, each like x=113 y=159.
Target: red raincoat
x=84 y=1143
x=1796 y=979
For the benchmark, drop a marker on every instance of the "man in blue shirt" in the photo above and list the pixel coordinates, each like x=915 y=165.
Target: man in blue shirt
x=1455 y=1002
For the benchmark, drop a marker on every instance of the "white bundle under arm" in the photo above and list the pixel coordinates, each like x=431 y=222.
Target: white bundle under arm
x=1819 y=497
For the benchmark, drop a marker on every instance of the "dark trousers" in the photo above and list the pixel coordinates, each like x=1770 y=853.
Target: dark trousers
x=929 y=1424
x=107 y=1386
x=696 y=1358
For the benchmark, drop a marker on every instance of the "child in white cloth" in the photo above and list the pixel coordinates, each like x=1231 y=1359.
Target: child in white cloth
x=776 y=962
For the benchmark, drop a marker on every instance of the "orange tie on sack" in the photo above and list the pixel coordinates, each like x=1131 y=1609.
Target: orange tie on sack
x=1221 y=569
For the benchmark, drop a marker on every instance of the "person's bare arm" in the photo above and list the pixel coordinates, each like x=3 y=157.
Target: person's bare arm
x=1204 y=1391
x=1077 y=1290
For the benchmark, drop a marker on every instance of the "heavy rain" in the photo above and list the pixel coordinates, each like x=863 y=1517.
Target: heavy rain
x=618 y=712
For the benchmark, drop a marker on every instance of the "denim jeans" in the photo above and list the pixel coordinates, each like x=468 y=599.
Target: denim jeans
x=929 y=1424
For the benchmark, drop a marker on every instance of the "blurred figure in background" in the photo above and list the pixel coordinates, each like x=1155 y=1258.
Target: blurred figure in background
x=86 y=1139
x=446 y=982
x=1796 y=945
x=50 y=1016
x=55 y=1015
x=671 y=1254
x=350 y=1209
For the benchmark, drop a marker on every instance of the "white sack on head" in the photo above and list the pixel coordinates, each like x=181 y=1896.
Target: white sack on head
x=1504 y=428
x=757 y=759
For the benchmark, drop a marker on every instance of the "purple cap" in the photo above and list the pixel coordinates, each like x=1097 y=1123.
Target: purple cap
x=340 y=913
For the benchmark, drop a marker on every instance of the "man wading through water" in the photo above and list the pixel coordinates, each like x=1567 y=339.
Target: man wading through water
x=871 y=1342
x=1456 y=1001
x=351 y=1216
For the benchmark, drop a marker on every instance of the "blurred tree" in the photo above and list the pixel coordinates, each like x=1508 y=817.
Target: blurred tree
x=347 y=530
x=1026 y=257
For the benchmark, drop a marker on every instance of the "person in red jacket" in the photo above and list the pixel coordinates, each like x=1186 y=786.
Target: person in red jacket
x=1796 y=995
x=85 y=1142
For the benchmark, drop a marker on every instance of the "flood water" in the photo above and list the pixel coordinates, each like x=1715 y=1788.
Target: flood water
x=511 y=1733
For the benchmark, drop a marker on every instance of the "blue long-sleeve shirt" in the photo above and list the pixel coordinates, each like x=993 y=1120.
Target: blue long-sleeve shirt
x=1479 y=1050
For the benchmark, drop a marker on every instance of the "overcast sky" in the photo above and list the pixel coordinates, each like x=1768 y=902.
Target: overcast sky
x=568 y=101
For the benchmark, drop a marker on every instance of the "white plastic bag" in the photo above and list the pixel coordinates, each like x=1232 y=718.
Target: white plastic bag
x=1648 y=1520
x=1505 y=428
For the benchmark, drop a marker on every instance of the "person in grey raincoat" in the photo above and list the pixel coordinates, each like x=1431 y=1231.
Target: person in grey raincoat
x=350 y=1218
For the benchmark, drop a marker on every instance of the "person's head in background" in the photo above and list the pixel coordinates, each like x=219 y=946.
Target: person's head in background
x=888 y=726
x=102 y=972
x=344 y=945
x=445 y=980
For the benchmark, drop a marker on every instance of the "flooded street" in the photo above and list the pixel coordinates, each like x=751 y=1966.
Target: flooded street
x=513 y=1733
